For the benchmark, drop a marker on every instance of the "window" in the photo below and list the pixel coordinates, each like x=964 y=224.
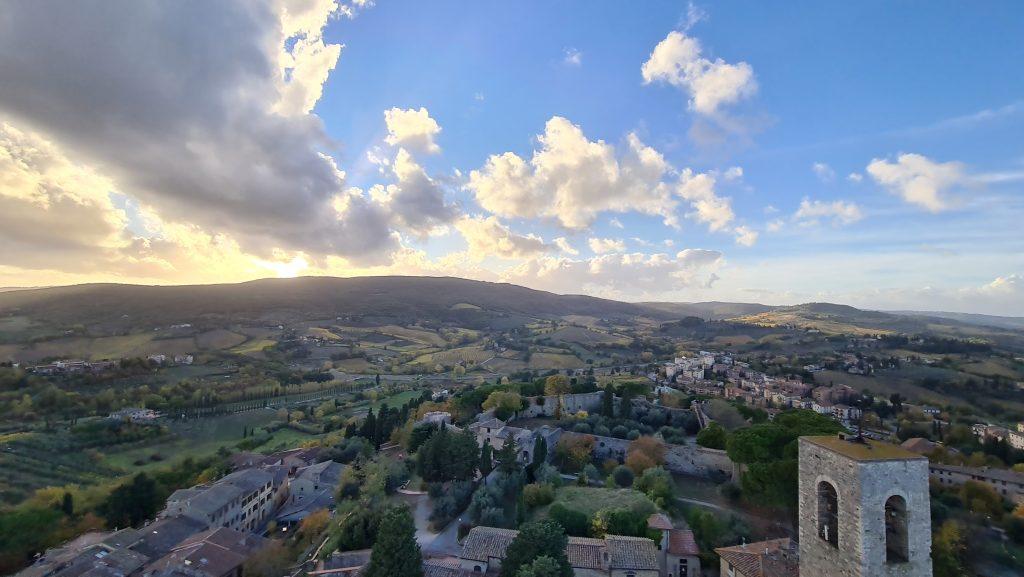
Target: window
x=896 y=547
x=684 y=569
x=828 y=513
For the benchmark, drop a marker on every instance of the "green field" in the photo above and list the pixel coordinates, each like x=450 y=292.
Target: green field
x=555 y=361
x=590 y=500
x=255 y=346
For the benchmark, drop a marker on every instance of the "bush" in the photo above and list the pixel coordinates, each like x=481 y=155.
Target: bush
x=602 y=431
x=538 y=495
x=623 y=476
x=581 y=428
x=575 y=523
x=633 y=435
x=620 y=432
x=712 y=437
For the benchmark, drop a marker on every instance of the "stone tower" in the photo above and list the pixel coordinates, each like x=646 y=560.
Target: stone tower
x=864 y=509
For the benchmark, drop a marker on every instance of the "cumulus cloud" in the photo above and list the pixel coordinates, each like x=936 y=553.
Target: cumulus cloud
x=412 y=128
x=855 y=177
x=563 y=245
x=918 y=179
x=838 y=211
x=415 y=202
x=824 y=172
x=709 y=84
x=222 y=141
x=708 y=207
x=487 y=236
x=572 y=57
x=746 y=236
x=573 y=179
x=617 y=274
x=606 y=245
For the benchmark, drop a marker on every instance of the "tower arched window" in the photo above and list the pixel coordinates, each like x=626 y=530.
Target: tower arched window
x=828 y=513
x=896 y=543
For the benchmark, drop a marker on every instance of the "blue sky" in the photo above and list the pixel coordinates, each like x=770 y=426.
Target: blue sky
x=870 y=153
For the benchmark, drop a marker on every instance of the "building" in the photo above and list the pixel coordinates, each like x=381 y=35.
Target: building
x=242 y=500
x=496 y=433
x=310 y=490
x=679 y=555
x=614 y=556
x=864 y=509
x=219 y=552
x=1009 y=484
x=134 y=415
x=773 y=558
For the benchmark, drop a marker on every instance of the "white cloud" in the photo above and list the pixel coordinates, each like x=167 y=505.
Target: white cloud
x=708 y=207
x=745 y=236
x=572 y=57
x=775 y=225
x=487 y=236
x=839 y=211
x=823 y=171
x=563 y=245
x=616 y=223
x=415 y=202
x=412 y=128
x=733 y=173
x=855 y=177
x=606 y=245
x=573 y=179
x=918 y=179
x=222 y=141
x=710 y=84
x=615 y=275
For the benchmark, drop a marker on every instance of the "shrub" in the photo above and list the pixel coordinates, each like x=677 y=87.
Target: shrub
x=623 y=476
x=620 y=432
x=538 y=495
x=575 y=523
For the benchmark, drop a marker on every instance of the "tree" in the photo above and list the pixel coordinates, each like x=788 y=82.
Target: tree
x=575 y=523
x=644 y=453
x=949 y=548
x=396 y=553
x=608 y=402
x=557 y=385
x=447 y=456
x=623 y=476
x=540 y=451
x=67 y=504
x=271 y=560
x=657 y=484
x=542 y=566
x=573 y=452
x=713 y=437
x=543 y=538
x=506 y=457
x=504 y=403
x=486 y=459
x=131 y=503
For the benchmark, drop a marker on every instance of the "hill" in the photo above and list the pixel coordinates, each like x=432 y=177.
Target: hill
x=112 y=308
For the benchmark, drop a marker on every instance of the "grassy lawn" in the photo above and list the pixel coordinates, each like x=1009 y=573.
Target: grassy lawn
x=254 y=346
x=590 y=500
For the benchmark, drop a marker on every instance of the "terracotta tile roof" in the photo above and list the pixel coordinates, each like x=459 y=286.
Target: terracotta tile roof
x=682 y=543
x=586 y=553
x=485 y=542
x=631 y=553
x=659 y=521
x=773 y=558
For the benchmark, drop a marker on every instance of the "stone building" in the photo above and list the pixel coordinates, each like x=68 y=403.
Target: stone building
x=864 y=509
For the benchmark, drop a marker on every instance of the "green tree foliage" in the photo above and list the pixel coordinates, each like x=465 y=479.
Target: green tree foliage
x=504 y=403
x=713 y=437
x=25 y=532
x=619 y=521
x=486 y=459
x=543 y=538
x=396 y=553
x=949 y=550
x=542 y=566
x=769 y=450
x=448 y=456
x=132 y=503
x=540 y=452
x=623 y=476
x=420 y=434
x=358 y=529
x=557 y=385
x=506 y=457
x=608 y=402
x=657 y=484
x=575 y=523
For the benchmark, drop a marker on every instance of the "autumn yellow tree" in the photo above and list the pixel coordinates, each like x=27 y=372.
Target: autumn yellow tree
x=557 y=385
x=644 y=453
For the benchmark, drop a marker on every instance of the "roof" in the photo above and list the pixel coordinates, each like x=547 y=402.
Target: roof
x=586 y=553
x=445 y=567
x=659 y=521
x=918 y=445
x=483 y=543
x=682 y=543
x=160 y=536
x=631 y=553
x=214 y=552
x=996 y=474
x=772 y=558
x=868 y=450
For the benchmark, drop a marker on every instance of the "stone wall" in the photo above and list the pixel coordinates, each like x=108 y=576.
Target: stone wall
x=546 y=406
x=863 y=488
x=685 y=459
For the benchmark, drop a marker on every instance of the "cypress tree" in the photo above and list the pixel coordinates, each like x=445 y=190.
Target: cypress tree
x=396 y=553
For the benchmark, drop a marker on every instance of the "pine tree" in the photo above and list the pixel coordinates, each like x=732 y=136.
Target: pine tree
x=544 y=538
x=396 y=553
x=67 y=504
x=486 y=460
x=608 y=402
x=540 y=452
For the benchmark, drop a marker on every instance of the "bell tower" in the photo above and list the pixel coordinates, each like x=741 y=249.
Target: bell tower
x=864 y=509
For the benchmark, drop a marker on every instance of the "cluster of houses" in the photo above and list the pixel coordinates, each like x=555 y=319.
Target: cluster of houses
x=757 y=389
x=675 y=554
x=1014 y=438
x=208 y=530
x=79 y=366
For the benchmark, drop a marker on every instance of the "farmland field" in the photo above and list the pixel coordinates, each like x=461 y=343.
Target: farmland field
x=219 y=339
x=453 y=356
x=254 y=346
x=555 y=361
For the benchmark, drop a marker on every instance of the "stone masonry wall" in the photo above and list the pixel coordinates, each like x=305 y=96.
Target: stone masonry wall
x=863 y=488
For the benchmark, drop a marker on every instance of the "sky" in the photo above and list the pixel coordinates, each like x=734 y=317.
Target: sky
x=866 y=153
